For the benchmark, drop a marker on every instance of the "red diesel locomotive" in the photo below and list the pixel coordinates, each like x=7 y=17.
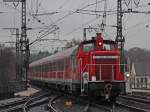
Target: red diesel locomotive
x=90 y=68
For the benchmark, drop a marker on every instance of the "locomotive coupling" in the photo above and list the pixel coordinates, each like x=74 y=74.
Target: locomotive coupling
x=107 y=90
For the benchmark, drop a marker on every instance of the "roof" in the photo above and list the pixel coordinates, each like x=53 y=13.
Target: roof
x=60 y=55
x=142 y=68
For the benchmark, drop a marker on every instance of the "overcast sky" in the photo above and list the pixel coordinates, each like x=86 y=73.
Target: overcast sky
x=136 y=27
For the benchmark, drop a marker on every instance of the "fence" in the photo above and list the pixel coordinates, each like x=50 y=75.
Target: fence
x=140 y=82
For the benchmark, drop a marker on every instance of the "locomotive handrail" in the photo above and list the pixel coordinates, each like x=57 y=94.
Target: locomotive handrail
x=87 y=68
x=98 y=64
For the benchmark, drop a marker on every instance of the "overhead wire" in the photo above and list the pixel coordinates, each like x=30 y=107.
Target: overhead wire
x=61 y=17
x=103 y=24
x=141 y=6
x=65 y=16
x=78 y=28
x=81 y=27
x=71 y=13
x=61 y=6
x=96 y=8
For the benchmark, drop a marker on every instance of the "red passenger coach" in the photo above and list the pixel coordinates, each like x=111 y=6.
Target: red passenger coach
x=91 y=68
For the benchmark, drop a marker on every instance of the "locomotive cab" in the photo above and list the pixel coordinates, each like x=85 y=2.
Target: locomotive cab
x=99 y=62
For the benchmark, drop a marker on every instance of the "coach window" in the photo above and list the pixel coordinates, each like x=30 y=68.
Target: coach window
x=40 y=68
x=43 y=68
x=50 y=67
x=46 y=68
x=57 y=66
x=62 y=65
x=33 y=69
x=36 y=68
x=53 y=66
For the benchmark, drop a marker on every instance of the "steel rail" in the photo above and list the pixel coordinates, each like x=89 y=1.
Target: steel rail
x=107 y=109
x=137 y=109
x=32 y=101
x=136 y=104
x=141 y=100
x=51 y=102
x=13 y=106
x=2 y=106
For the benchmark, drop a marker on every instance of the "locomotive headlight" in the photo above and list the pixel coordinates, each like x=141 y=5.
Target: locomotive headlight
x=93 y=78
x=100 y=43
x=127 y=74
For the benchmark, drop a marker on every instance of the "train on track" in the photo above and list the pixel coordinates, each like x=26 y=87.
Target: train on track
x=91 y=68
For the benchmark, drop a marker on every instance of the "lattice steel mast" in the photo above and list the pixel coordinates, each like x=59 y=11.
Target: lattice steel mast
x=18 y=68
x=120 y=39
x=24 y=44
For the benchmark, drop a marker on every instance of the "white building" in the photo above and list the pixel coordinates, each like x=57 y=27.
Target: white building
x=140 y=75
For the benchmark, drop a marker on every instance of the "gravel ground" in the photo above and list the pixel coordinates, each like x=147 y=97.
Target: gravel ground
x=76 y=107
x=60 y=105
x=121 y=109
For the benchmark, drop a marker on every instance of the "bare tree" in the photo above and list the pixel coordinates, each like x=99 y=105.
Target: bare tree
x=7 y=69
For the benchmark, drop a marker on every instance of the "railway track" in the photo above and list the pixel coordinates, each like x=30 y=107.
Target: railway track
x=51 y=102
x=123 y=103
x=99 y=107
x=133 y=103
x=13 y=106
x=78 y=105
x=25 y=104
x=35 y=101
x=144 y=100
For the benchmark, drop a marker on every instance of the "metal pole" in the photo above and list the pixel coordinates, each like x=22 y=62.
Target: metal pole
x=84 y=34
x=17 y=55
x=120 y=39
x=24 y=45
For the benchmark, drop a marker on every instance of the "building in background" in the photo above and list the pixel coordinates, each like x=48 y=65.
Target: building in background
x=140 y=75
